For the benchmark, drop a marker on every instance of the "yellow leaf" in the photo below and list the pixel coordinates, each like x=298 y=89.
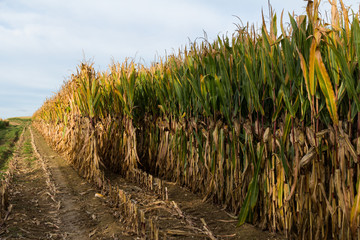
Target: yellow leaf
x=326 y=88
x=98 y=195
x=312 y=81
x=305 y=73
x=345 y=14
x=334 y=15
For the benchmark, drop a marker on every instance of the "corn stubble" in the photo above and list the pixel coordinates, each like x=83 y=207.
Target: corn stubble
x=265 y=122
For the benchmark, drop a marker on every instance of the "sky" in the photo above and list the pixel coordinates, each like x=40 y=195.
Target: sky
x=43 y=41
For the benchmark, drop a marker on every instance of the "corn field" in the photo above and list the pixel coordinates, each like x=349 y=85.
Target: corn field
x=266 y=122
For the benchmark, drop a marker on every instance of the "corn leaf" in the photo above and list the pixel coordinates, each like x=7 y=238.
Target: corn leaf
x=326 y=88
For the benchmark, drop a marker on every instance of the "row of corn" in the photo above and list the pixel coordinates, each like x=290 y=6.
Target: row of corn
x=132 y=216
x=6 y=180
x=266 y=122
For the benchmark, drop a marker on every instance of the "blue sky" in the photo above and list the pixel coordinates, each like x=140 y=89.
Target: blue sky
x=42 y=41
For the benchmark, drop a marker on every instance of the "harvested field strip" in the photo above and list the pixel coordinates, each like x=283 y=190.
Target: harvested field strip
x=160 y=218
x=49 y=179
x=6 y=180
x=82 y=214
x=141 y=209
x=32 y=215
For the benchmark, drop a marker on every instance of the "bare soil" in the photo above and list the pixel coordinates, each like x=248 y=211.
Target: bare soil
x=51 y=201
x=70 y=211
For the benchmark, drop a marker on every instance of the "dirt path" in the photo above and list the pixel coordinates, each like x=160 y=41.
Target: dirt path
x=33 y=215
x=51 y=201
